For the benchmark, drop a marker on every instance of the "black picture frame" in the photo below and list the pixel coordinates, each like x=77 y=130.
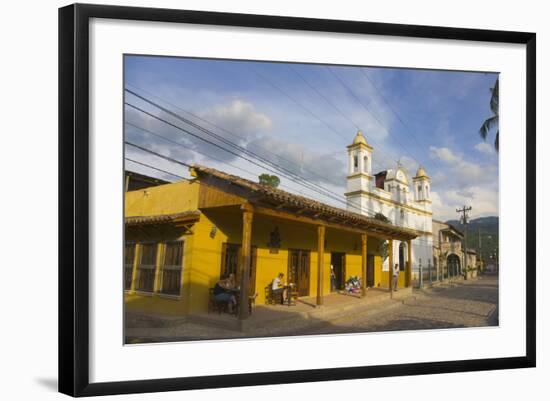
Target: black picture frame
x=74 y=198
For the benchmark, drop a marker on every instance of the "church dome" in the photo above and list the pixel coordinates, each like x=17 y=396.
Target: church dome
x=359 y=138
x=421 y=172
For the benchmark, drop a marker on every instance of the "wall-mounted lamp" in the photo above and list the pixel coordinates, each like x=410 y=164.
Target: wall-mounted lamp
x=213 y=231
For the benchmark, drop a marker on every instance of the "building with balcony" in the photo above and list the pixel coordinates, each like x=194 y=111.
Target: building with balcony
x=448 y=251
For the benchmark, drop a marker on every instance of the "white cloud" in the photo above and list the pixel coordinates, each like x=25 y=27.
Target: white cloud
x=484 y=202
x=409 y=164
x=313 y=166
x=445 y=155
x=240 y=120
x=462 y=173
x=239 y=117
x=484 y=147
x=462 y=182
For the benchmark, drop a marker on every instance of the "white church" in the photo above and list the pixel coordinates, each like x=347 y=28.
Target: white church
x=405 y=202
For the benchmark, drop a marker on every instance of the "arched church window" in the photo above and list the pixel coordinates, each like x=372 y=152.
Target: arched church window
x=355 y=163
x=427 y=191
x=365 y=159
x=420 y=191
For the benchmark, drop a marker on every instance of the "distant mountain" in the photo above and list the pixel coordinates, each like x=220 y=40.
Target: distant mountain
x=481 y=231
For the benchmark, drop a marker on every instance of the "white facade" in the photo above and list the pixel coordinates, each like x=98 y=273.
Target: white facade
x=405 y=202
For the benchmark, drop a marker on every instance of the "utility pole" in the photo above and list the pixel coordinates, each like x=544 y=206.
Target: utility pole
x=464 y=211
x=479 y=249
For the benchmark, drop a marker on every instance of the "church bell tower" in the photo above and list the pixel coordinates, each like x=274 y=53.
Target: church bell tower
x=360 y=179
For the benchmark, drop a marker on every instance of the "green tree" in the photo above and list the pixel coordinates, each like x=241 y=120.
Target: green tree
x=381 y=217
x=492 y=121
x=270 y=180
x=383 y=247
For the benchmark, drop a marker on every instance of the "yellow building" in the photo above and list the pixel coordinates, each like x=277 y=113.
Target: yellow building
x=180 y=238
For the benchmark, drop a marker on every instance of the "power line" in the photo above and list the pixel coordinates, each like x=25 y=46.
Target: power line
x=225 y=130
x=305 y=183
x=325 y=192
x=197 y=151
x=229 y=143
x=341 y=81
x=157 y=154
x=272 y=84
x=342 y=200
x=419 y=146
x=187 y=165
x=312 y=87
x=308 y=184
x=155 y=168
x=278 y=88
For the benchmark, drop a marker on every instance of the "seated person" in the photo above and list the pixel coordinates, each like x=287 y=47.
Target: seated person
x=223 y=293
x=277 y=289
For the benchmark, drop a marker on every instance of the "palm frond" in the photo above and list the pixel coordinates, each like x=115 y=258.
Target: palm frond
x=487 y=126
x=494 y=99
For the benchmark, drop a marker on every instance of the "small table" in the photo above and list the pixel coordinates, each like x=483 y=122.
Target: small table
x=291 y=294
x=237 y=293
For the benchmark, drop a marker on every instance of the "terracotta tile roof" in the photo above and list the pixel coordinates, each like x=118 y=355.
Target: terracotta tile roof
x=279 y=197
x=188 y=216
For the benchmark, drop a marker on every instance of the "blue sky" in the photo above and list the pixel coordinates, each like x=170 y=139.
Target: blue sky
x=302 y=117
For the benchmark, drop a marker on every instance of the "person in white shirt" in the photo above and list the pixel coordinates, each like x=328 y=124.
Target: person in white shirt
x=395 y=276
x=277 y=288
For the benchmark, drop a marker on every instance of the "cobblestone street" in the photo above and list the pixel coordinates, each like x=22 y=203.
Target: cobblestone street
x=471 y=303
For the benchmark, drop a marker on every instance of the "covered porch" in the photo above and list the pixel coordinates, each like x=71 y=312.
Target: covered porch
x=275 y=231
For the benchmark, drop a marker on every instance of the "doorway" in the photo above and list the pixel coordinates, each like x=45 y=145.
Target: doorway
x=453 y=264
x=298 y=270
x=338 y=266
x=370 y=270
x=231 y=262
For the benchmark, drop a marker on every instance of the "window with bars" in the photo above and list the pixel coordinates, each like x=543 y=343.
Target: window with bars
x=146 y=268
x=171 y=268
x=129 y=254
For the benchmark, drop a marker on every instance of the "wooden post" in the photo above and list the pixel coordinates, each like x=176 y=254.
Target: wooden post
x=320 y=263
x=409 y=263
x=137 y=255
x=246 y=251
x=390 y=270
x=158 y=262
x=364 y=263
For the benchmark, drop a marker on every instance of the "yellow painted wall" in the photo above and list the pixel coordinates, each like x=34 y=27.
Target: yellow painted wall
x=207 y=253
x=163 y=199
x=384 y=281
